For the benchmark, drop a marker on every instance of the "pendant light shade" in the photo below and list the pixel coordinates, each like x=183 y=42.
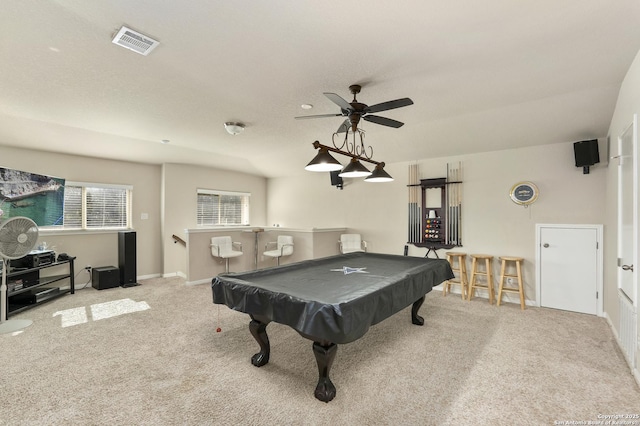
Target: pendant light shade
x=323 y=162
x=354 y=169
x=379 y=175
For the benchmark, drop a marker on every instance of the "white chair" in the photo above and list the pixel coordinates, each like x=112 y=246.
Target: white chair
x=350 y=243
x=284 y=247
x=223 y=247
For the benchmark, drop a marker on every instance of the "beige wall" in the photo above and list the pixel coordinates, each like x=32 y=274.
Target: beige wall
x=100 y=249
x=627 y=105
x=492 y=223
x=180 y=183
x=167 y=194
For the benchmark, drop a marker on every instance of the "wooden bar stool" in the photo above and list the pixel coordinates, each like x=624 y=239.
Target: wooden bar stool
x=458 y=262
x=476 y=261
x=520 y=289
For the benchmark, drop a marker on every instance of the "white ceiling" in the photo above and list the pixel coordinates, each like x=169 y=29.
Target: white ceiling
x=483 y=76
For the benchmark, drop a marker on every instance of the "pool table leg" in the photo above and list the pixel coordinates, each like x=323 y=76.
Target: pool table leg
x=415 y=318
x=258 y=330
x=325 y=354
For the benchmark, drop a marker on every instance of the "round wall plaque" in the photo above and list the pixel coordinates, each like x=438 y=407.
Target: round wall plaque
x=524 y=193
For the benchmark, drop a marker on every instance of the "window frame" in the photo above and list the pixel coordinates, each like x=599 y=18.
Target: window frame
x=83 y=205
x=246 y=207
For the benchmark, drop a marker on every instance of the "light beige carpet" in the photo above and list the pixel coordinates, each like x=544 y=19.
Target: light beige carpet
x=470 y=364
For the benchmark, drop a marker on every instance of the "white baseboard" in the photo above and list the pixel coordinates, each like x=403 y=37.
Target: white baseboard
x=147 y=277
x=634 y=372
x=613 y=329
x=198 y=282
x=175 y=274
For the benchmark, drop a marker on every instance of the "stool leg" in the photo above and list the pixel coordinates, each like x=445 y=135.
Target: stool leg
x=489 y=281
x=227 y=265
x=473 y=279
x=520 y=287
x=444 y=284
x=447 y=284
x=463 y=278
x=502 y=269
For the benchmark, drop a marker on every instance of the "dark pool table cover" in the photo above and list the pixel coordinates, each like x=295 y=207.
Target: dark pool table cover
x=322 y=301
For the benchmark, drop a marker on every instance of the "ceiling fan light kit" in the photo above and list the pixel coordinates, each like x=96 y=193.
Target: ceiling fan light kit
x=354 y=111
x=233 y=128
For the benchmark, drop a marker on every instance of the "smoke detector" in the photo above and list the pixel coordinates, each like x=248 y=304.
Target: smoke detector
x=234 y=128
x=135 y=41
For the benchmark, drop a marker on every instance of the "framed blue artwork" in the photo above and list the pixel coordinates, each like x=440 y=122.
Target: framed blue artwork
x=38 y=197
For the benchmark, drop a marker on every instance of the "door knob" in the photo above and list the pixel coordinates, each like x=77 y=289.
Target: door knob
x=545 y=245
x=627 y=268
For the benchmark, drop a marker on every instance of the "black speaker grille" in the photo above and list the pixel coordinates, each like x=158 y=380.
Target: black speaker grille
x=127 y=257
x=586 y=153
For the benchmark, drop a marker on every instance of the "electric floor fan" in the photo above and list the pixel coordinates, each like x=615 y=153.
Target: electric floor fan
x=18 y=236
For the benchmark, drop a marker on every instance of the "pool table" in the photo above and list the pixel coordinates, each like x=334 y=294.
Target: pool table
x=330 y=301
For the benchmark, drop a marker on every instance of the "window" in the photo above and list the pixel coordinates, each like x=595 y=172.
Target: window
x=216 y=208
x=96 y=206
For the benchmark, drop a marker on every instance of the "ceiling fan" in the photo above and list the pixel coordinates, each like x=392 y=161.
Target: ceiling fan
x=355 y=110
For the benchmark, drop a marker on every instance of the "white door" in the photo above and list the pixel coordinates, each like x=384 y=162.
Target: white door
x=569 y=267
x=626 y=215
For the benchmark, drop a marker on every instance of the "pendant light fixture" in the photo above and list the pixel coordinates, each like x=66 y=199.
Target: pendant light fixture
x=325 y=162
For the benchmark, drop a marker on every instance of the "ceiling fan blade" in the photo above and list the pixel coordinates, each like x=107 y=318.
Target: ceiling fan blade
x=383 y=121
x=344 y=127
x=385 y=106
x=338 y=100
x=317 y=116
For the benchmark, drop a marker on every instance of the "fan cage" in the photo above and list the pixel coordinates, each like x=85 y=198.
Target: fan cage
x=18 y=236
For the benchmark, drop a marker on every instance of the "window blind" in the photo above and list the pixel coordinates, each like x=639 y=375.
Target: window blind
x=72 y=210
x=96 y=206
x=106 y=208
x=217 y=208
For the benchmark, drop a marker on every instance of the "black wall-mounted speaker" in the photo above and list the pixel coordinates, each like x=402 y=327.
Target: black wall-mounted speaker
x=127 y=258
x=586 y=154
x=336 y=180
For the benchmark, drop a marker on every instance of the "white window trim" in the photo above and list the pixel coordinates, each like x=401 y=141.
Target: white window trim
x=218 y=192
x=222 y=192
x=100 y=185
x=53 y=230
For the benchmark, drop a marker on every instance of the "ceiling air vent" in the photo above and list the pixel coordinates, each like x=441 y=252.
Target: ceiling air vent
x=135 y=41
